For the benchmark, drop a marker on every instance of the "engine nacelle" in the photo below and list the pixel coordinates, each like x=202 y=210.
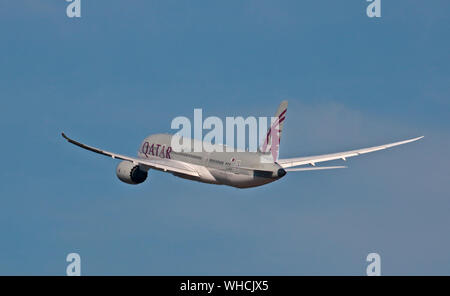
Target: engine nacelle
x=130 y=173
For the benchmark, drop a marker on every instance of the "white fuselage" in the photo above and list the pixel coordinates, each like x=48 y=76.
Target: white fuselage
x=238 y=169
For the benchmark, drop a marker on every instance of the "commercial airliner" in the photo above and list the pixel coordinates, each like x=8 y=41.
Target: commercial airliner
x=241 y=169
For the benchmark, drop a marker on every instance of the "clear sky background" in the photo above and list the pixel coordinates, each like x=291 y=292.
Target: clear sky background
x=127 y=68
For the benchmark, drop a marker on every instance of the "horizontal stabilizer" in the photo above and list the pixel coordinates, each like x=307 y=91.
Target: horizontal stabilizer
x=315 y=168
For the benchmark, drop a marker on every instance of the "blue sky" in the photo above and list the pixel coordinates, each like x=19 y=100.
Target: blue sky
x=125 y=70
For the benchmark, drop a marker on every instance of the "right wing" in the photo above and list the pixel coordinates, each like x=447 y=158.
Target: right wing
x=163 y=164
x=312 y=160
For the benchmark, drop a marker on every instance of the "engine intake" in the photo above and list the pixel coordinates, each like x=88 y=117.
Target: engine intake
x=130 y=173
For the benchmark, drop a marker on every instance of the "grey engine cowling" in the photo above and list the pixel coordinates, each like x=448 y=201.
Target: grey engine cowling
x=130 y=173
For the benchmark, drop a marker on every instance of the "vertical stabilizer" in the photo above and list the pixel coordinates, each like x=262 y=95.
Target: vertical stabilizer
x=273 y=137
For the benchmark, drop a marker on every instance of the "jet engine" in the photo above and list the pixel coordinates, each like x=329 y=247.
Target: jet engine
x=130 y=173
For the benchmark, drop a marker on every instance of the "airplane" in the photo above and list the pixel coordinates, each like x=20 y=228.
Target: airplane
x=240 y=169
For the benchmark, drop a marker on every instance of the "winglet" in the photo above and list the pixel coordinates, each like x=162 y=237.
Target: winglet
x=415 y=139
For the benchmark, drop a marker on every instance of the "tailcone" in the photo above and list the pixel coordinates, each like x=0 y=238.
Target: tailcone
x=281 y=172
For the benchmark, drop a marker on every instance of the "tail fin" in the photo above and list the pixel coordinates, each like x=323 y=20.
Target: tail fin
x=273 y=137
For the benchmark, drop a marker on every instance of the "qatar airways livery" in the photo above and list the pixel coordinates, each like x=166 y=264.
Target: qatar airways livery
x=241 y=169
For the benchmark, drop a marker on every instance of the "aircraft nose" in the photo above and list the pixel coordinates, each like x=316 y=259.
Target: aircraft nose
x=281 y=173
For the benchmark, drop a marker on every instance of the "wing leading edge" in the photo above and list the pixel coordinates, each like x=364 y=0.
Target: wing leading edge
x=163 y=164
x=312 y=160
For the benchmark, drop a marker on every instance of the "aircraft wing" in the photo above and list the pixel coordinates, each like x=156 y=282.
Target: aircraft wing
x=153 y=162
x=312 y=160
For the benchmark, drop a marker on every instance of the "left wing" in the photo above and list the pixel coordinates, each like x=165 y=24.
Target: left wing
x=153 y=162
x=312 y=160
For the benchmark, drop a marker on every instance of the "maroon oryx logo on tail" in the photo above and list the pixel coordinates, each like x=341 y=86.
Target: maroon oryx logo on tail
x=273 y=136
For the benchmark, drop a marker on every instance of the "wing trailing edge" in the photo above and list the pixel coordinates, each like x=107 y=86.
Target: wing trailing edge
x=312 y=160
x=163 y=164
